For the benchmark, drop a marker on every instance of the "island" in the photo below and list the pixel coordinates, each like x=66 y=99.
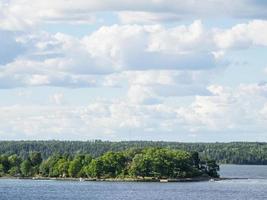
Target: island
x=135 y=164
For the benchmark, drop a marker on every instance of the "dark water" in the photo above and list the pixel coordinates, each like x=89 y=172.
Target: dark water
x=231 y=189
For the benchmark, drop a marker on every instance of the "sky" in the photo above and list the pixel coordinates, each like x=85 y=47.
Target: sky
x=172 y=70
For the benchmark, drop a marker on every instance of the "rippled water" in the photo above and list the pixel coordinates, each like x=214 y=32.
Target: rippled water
x=230 y=189
x=244 y=171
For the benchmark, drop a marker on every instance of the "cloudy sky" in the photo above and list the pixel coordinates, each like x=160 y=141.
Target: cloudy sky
x=193 y=70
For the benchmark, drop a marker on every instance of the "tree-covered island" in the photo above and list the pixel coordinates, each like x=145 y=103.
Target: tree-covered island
x=141 y=164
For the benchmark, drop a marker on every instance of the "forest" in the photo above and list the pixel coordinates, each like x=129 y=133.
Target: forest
x=154 y=163
x=227 y=153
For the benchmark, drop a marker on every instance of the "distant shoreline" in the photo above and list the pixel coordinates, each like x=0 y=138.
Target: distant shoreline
x=197 y=179
x=245 y=153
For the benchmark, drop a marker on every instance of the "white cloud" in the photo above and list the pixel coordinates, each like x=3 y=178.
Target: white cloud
x=18 y=14
x=161 y=73
x=227 y=110
x=37 y=79
x=151 y=47
x=142 y=95
x=157 y=61
x=57 y=98
x=139 y=17
x=243 y=35
x=151 y=86
x=98 y=120
x=25 y=14
x=63 y=60
x=239 y=109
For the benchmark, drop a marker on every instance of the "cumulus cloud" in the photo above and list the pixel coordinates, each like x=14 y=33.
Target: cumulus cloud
x=239 y=109
x=226 y=110
x=142 y=95
x=149 y=87
x=139 y=17
x=63 y=60
x=67 y=61
x=93 y=121
x=24 y=14
x=243 y=35
x=164 y=73
x=18 y=14
x=60 y=59
x=150 y=47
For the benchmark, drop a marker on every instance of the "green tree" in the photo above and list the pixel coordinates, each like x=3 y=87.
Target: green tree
x=86 y=161
x=149 y=162
x=14 y=160
x=61 y=168
x=95 y=168
x=1 y=170
x=113 y=163
x=14 y=171
x=5 y=163
x=157 y=162
x=35 y=158
x=140 y=166
x=212 y=168
x=196 y=159
x=26 y=168
x=75 y=167
x=47 y=167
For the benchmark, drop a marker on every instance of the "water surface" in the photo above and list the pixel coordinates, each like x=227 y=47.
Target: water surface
x=253 y=188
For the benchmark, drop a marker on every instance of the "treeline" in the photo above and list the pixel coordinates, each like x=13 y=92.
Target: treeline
x=231 y=153
x=132 y=163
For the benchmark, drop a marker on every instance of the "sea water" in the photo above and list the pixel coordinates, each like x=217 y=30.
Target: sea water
x=253 y=187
